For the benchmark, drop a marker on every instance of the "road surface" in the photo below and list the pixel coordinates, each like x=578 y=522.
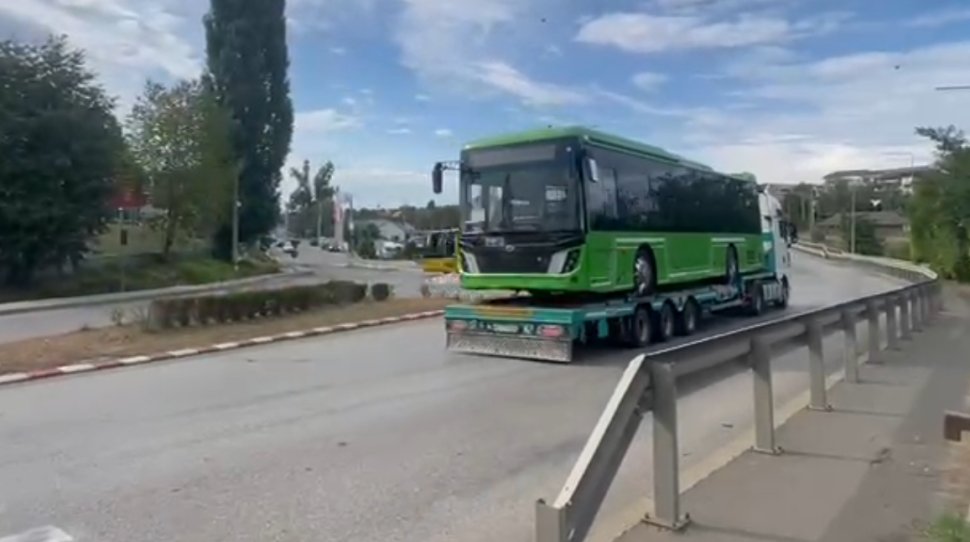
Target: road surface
x=376 y=435
x=325 y=266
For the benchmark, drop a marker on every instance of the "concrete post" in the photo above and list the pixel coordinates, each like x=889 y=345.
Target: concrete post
x=666 y=452
x=850 y=353
x=892 y=335
x=816 y=366
x=764 y=404
x=905 y=323
x=872 y=315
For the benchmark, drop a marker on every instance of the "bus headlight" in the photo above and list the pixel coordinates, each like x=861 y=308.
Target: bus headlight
x=564 y=261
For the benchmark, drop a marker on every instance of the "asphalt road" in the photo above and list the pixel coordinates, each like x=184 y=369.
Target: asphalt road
x=376 y=435
x=325 y=266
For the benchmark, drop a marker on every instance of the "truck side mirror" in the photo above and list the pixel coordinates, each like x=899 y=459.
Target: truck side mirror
x=436 y=178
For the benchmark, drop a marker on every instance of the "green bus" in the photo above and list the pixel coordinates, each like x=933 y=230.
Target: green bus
x=576 y=210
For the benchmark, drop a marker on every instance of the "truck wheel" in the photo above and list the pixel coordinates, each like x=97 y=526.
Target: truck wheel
x=785 y=293
x=687 y=318
x=731 y=266
x=665 y=322
x=644 y=273
x=641 y=327
x=756 y=299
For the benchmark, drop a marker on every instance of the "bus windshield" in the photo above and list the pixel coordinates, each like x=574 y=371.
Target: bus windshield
x=520 y=198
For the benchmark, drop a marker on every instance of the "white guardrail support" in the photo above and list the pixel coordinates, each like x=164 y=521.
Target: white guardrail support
x=650 y=383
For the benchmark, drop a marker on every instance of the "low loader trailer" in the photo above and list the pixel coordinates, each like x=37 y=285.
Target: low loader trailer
x=549 y=329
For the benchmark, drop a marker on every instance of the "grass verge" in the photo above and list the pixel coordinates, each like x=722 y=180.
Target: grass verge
x=131 y=340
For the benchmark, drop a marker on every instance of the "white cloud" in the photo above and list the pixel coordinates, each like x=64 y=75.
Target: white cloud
x=649 y=81
x=708 y=6
x=422 y=98
x=399 y=130
x=642 y=33
x=457 y=46
x=443 y=132
x=125 y=40
x=349 y=100
x=504 y=77
x=844 y=112
x=941 y=18
x=338 y=50
x=322 y=121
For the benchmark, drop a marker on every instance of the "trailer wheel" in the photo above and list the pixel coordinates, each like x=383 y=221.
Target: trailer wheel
x=641 y=327
x=687 y=318
x=756 y=299
x=666 y=319
x=785 y=293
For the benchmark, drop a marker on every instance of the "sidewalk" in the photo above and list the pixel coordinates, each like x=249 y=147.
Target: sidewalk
x=876 y=468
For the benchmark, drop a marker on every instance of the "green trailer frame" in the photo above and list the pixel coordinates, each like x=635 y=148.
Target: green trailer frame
x=522 y=328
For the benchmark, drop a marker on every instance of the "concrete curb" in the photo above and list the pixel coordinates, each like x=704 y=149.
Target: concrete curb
x=22 y=307
x=12 y=378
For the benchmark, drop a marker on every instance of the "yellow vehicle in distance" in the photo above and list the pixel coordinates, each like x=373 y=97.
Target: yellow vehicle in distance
x=436 y=250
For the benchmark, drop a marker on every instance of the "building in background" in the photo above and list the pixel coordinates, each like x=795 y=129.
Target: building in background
x=901 y=178
x=390 y=230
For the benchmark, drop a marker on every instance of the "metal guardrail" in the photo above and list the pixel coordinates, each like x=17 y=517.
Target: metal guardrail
x=650 y=383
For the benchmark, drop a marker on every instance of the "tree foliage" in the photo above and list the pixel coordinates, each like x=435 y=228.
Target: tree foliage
x=940 y=210
x=59 y=154
x=180 y=138
x=247 y=66
x=310 y=206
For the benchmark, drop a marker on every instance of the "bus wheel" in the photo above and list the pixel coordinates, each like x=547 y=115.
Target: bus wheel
x=665 y=322
x=687 y=318
x=756 y=299
x=731 y=265
x=644 y=273
x=641 y=331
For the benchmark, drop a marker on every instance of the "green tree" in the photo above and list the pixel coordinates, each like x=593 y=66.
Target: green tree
x=247 y=70
x=311 y=202
x=180 y=138
x=940 y=209
x=60 y=149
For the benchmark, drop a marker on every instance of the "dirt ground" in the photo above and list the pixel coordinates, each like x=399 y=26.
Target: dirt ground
x=129 y=340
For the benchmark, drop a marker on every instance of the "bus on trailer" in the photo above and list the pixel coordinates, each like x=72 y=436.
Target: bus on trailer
x=575 y=210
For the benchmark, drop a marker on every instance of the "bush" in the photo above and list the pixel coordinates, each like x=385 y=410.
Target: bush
x=380 y=291
x=239 y=306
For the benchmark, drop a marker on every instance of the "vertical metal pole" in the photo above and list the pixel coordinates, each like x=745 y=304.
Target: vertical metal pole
x=852 y=215
x=816 y=366
x=872 y=315
x=905 y=324
x=764 y=405
x=550 y=523
x=916 y=298
x=235 y=222
x=666 y=454
x=850 y=353
x=892 y=337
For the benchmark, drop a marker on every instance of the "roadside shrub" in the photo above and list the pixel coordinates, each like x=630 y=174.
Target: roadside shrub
x=348 y=292
x=380 y=291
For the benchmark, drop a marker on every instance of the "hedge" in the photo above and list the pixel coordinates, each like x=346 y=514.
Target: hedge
x=242 y=306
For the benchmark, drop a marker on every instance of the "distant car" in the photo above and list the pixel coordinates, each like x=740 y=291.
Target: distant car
x=314 y=242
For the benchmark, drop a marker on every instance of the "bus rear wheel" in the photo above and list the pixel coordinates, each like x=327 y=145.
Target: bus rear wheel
x=644 y=273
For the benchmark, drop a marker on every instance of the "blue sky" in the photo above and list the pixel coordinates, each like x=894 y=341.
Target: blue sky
x=787 y=89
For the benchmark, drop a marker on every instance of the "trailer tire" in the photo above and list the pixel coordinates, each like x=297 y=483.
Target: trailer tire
x=644 y=272
x=756 y=299
x=687 y=318
x=665 y=322
x=640 y=328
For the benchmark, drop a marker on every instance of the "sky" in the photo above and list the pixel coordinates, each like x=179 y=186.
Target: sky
x=787 y=89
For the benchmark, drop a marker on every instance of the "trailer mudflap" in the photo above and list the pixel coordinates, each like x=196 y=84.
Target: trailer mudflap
x=510 y=345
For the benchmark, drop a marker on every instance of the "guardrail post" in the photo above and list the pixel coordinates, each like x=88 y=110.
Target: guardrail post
x=872 y=315
x=666 y=453
x=816 y=366
x=927 y=296
x=764 y=398
x=850 y=352
x=550 y=523
x=905 y=323
x=892 y=337
x=916 y=296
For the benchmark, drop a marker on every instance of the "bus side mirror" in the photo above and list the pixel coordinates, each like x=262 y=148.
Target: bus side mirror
x=594 y=172
x=436 y=178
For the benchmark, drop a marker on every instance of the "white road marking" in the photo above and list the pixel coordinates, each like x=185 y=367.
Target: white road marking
x=134 y=359
x=48 y=533
x=75 y=368
x=225 y=346
x=13 y=377
x=294 y=334
x=261 y=340
x=184 y=352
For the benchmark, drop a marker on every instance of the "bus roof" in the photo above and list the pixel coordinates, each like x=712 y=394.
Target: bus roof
x=595 y=136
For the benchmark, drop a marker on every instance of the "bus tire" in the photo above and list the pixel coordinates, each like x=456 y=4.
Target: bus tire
x=756 y=299
x=688 y=318
x=644 y=272
x=641 y=327
x=731 y=267
x=665 y=322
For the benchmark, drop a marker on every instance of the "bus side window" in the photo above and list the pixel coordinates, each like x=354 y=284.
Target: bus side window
x=601 y=199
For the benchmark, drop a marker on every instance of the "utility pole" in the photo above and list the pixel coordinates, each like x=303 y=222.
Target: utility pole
x=235 y=222
x=852 y=191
